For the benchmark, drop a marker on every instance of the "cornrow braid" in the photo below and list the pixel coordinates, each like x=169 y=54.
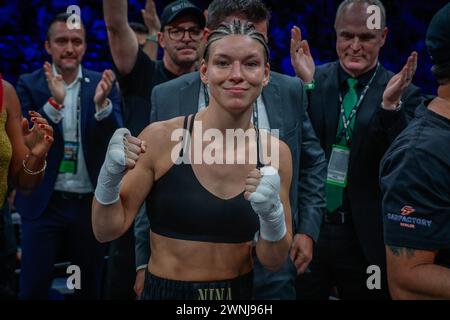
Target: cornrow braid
x=237 y=27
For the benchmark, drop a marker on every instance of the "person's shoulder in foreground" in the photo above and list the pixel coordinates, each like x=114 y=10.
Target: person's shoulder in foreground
x=415 y=181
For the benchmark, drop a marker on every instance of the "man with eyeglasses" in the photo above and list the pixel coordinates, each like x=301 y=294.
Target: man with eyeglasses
x=177 y=34
x=180 y=37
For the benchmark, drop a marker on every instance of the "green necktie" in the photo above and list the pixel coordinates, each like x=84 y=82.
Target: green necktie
x=335 y=193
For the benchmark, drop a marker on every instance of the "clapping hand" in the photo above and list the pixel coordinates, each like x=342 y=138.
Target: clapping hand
x=39 y=138
x=55 y=84
x=301 y=58
x=398 y=83
x=104 y=88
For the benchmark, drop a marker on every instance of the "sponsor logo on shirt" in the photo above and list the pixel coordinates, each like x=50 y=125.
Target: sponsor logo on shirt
x=409 y=222
x=407 y=210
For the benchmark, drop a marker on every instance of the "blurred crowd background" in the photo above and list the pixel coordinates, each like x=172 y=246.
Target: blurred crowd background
x=23 y=24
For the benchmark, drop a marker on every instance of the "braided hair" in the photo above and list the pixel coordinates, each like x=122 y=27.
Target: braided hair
x=237 y=27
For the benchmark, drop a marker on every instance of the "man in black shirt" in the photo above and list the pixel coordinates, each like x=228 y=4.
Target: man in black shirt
x=180 y=37
x=415 y=180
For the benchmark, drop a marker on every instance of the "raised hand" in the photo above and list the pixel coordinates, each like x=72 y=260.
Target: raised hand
x=55 y=84
x=104 y=88
x=262 y=189
x=398 y=83
x=39 y=138
x=123 y=152
x=150 y=17
x=133 y=148
x=301 y=58
x=263 y=194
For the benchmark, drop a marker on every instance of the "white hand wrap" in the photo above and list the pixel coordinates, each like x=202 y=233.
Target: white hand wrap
x=267 y=204
x=113 y=169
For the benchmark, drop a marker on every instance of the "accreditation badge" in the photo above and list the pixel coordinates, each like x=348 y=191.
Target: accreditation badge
x=70 y=158
x=338 y=166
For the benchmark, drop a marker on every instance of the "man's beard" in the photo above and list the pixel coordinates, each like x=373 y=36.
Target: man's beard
x=69 y=68
x=186 y=63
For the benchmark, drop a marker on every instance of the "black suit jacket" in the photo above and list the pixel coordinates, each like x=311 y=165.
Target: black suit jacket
x=374 y=131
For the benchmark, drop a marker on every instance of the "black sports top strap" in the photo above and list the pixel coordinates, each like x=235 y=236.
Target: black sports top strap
x=259 y=164
x=191 y=125
x=185 y=122
x=187 y=136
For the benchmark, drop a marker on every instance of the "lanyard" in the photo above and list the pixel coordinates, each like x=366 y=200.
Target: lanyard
x=78 y=115
x=255 y=116
x=346 y=121
x=205 y=94
x=259 y=164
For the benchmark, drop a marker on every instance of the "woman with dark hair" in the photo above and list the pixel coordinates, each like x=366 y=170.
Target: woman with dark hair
x=204 y=214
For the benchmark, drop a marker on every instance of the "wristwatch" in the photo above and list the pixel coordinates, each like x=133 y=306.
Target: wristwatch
x=152 y=38
x=398 y=107
x=310 y=86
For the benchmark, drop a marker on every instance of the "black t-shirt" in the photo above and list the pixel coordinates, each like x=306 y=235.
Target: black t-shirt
x=415 y=180
x=136 y=88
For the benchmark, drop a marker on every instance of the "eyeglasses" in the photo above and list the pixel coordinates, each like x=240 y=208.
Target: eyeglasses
x=178 y=33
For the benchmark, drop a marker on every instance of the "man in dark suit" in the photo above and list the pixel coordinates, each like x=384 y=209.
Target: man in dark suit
x=282 y=106
x=75 y=102
x=357 y=108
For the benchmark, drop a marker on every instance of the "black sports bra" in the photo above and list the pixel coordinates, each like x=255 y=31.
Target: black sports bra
x=179 y=207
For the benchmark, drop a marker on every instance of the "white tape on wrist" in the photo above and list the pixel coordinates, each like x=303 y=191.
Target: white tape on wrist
x=113 y=169
x=267 y=204
x=273 y=230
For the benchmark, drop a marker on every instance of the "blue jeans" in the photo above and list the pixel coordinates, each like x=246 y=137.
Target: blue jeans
x=268 y=285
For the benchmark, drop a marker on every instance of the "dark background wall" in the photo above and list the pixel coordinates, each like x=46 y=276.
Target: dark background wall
x=23 y=25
